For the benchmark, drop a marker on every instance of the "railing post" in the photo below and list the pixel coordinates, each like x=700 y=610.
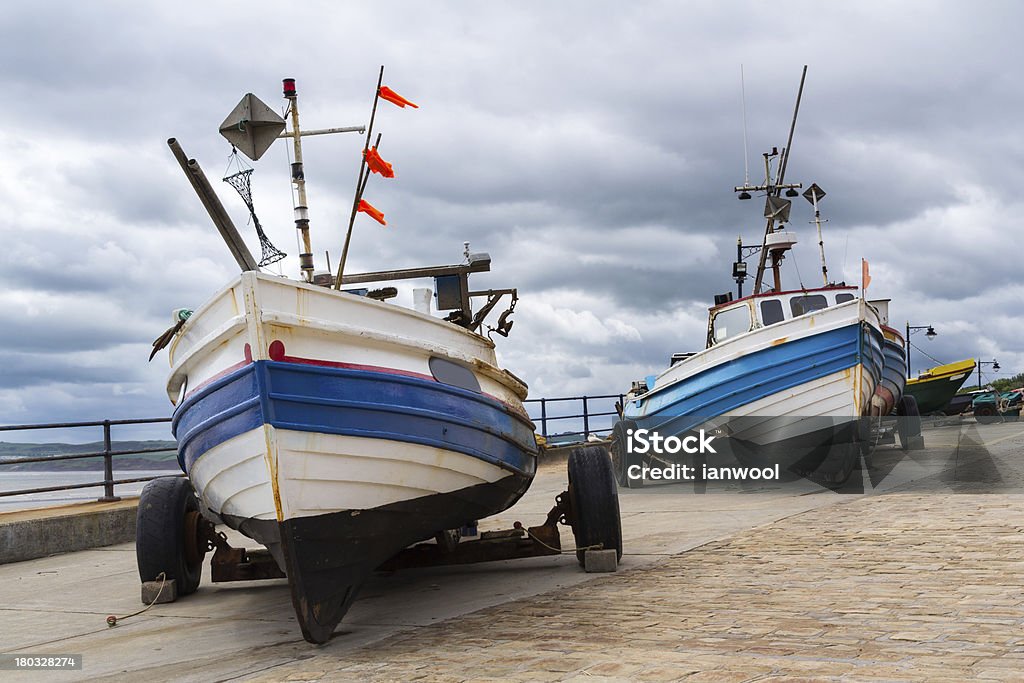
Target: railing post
x=543 y=418
x=586 y=420
x=108 y=467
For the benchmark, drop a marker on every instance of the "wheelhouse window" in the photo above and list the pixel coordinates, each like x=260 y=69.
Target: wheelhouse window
x=771 y=312
x=731 y=322
x=801 y=305
x=844 y=297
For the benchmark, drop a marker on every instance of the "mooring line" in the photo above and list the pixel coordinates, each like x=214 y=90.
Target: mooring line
x=112 y=620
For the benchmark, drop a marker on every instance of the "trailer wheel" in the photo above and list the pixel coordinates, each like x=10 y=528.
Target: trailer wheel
x=985 y=414
x=908 y=423
x=594 y=501
x=165 y=534
x=622 y=459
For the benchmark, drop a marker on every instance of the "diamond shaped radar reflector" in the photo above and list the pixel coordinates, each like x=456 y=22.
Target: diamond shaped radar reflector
x=814 y=192
x=252 y=126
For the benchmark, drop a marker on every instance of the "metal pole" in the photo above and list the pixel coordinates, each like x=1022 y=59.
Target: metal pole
x=979 y=373
x=908 y=350
x=543 y=418
x=210 y=201
x=299 y=180
x=792 y=127
x=108 y=467
x=360 y=183
x=586 y=419
x=821 y=242
x=777 y=190
x=739 y=258
x=323 y=131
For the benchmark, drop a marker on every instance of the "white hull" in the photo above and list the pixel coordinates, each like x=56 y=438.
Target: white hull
x=268 y=472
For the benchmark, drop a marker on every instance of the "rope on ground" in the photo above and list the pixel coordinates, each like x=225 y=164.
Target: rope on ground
x=112 y=620
x=599 y=546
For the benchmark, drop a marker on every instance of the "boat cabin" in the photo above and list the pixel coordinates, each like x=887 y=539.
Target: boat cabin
x=732 y=318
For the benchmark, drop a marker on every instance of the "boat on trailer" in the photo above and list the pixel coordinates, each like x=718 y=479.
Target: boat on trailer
x=790 y=377
x=337 y=429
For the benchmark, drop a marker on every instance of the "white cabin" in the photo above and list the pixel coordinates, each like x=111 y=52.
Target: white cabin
x=737 y=317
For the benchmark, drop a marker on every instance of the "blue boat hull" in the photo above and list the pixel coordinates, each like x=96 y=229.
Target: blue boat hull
x=768 y=404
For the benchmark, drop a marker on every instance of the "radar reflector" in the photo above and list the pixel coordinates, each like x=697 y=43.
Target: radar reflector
x=777 y=208
x=252 y=126
x=814 y=193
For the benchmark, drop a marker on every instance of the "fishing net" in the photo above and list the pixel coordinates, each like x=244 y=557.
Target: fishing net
x=242 y=183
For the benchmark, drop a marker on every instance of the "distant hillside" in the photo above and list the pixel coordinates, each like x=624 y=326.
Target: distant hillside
x=11 y=453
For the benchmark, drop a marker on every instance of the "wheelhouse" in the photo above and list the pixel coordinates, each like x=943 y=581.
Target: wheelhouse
x=738 y=317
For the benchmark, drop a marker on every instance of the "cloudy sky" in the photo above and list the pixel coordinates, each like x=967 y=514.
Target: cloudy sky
x=590 y=147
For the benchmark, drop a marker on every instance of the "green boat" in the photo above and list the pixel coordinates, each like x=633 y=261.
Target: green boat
x=934 y=389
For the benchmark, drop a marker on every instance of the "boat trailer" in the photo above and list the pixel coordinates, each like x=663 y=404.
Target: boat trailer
x=589 y=506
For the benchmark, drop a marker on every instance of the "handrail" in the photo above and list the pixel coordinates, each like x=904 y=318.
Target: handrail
x=108 y=453
x=586 y=415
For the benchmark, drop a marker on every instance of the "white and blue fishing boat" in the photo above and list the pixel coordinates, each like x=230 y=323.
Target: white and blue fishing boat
x=330 y=425
x=336 y=430
x=789 y=377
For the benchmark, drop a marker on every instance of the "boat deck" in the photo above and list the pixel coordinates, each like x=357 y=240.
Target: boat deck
x=921 y=582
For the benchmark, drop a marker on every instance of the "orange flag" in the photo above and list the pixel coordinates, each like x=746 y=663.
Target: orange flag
x=865 y=277
x=378 y=165
x=369 y=209
x=391 y=96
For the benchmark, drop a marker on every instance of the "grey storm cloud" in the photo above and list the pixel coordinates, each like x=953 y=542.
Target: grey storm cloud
x=590 y=147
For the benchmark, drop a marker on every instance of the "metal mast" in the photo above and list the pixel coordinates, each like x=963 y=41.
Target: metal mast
x=776 y=209
x=299 y=181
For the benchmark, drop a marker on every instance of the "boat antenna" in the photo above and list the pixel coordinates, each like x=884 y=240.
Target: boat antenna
x=743 y=101
x=774 y=190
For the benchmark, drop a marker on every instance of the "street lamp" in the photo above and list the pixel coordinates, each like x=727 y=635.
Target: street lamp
x=995 y=367
x=915 y=328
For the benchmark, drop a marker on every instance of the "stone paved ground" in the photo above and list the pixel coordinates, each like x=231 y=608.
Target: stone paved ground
x=894 y=587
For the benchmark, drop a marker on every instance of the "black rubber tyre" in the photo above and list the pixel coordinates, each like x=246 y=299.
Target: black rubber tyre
x=594 y=500
x=621 y=458
x=160 y=533
x=908 y=421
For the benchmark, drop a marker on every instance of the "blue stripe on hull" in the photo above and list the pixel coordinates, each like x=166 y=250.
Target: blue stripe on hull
x=871 y=353
x=219 y=411
x=894 y=372
x=349 y=402
x=731 y=385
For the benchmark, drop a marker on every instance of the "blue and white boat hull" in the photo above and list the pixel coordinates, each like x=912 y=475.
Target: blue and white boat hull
x=792 y=393
x=336 y=445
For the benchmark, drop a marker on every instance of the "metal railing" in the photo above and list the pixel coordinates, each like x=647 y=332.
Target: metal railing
x=108 y=454
x=605 y=418
x=596 y=416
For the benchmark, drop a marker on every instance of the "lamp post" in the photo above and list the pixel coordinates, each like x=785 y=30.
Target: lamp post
x=910 y=330
x=993 y=363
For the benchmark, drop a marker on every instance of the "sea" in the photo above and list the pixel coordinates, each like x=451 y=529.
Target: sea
x=16 y=481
